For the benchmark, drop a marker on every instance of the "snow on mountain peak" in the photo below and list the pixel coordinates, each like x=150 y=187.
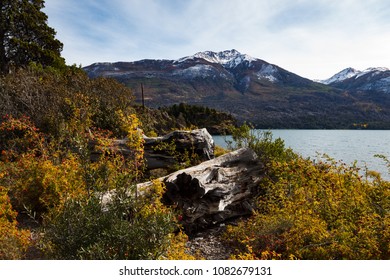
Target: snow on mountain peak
x=351 y=72
x=372 y=71
x=228 y=58
x=376 y=69
x=341 y=76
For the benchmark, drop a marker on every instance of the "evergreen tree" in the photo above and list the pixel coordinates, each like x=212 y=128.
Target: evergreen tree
x=25 y=36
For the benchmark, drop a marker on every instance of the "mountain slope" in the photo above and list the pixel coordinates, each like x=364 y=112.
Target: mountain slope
x=372 y=79
x=249 y=88
x=341 y=76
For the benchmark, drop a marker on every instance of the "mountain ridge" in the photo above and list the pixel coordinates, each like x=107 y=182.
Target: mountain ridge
x=370 y=79
x=250 y=89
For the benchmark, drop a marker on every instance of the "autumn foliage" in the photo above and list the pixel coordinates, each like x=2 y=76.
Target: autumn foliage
x=53 y=122
x=14 y=242
x=316 y=210
x=48 y=177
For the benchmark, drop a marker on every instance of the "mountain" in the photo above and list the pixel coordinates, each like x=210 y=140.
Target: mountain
x=249 y=88
x=341 y=76
x=228 y=67
x=372 y=79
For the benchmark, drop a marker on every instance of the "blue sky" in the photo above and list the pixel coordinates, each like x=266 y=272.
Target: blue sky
x=312 y=38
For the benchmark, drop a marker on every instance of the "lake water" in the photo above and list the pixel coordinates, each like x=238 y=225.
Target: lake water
x=345 y=145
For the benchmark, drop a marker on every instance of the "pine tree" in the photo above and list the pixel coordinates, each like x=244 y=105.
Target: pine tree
x=25 y=36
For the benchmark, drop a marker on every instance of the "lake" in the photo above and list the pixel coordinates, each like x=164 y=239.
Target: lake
x=345 y=145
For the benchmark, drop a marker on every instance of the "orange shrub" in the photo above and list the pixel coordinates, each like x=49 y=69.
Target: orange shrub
x=13 y=242
x=38 y=184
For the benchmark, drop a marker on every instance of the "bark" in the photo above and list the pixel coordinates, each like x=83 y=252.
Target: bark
x=214 y=191
x=197 y=141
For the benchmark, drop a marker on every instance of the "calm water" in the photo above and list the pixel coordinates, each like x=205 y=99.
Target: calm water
x=345 y=145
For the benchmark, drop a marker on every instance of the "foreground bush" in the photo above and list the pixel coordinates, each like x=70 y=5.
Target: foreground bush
x=56 y=182
x=56 y=161
x=36 y=179
x=125 y=228
x=13 y=241
x=325 y=210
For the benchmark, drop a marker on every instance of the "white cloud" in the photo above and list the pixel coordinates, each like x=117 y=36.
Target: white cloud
x=314 y=38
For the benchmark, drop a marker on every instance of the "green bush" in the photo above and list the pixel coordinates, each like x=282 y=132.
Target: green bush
x=261 y=142
x=127 y=227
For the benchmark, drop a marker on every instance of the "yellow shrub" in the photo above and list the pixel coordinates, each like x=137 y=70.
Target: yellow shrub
x=38 y=184
x=317 y=211
x=177 y=249
x=13 y=242
x=219 y=151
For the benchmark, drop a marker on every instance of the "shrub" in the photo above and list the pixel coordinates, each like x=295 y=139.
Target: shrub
x=127 y=227
x=19 y=136
x=37 y=184
x=13 y=241
x=59 y=121
x=261 y=142
x=317 y=211
x=45 y=95
x=35 y=181
x=219 y=151
x=177 y=249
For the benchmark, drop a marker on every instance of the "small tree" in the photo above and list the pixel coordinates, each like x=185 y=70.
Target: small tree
x=25 y=36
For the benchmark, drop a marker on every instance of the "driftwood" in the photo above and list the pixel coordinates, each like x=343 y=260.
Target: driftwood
x=198 y=141
x=214 y=191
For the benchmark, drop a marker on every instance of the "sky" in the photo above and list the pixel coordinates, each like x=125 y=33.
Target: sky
x=312 y=38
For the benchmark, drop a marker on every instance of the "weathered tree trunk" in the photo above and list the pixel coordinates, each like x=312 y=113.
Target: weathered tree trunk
x=216 y=190
x=197 y=141
x=212 y=192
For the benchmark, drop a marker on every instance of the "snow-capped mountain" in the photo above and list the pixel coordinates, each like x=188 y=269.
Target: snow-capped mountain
x=341 y=76
x=371 y=71
x=228 y=59
x=257 y=91
x=372 y=79
x=231 y=65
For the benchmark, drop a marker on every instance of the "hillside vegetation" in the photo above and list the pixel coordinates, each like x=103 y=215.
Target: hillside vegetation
x=47 y=178
x=52 y=194
x=307 y=210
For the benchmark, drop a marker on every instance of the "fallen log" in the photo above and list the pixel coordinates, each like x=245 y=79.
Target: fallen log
x=197 y=141
x=214 y=191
